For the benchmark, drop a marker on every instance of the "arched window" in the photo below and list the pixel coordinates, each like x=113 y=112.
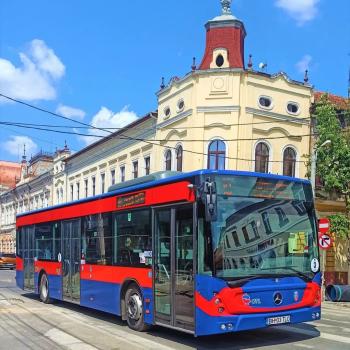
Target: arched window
x=262 y=158
x=168 y=160
x=289 y=160
x=216 y=155
x=179 y=152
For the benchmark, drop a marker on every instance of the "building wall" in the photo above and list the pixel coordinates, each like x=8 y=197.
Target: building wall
x=216 y=101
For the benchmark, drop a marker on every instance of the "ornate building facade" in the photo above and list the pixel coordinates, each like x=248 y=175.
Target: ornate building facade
x=221 y=115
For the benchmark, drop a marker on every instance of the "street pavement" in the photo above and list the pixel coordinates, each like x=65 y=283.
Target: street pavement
x=26 y=323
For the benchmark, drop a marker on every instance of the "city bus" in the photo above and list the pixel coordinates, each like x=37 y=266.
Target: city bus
x=205 y=252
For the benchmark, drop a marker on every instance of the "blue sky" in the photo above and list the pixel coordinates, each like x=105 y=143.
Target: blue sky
x=101 y=62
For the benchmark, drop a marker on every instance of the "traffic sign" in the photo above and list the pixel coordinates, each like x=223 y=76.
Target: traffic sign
x=325 y=241
x=323 y=225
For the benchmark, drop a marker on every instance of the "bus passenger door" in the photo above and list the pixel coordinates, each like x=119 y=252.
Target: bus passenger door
x=28 y=256
x=174 y=266
x=71 y=255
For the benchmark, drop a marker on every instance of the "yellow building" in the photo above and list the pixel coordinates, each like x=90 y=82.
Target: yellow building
x=221 y=115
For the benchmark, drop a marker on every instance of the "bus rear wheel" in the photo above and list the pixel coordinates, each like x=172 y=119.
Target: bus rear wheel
x=44 y=289
x=134 y=309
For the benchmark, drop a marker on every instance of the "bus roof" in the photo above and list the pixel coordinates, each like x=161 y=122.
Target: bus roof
x=159 y=179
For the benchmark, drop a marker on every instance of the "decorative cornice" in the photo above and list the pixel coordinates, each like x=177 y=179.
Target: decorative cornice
x=217 y=125
x=179 y=134
x=175 y=119
x=277 y=129
x=217 y=109
x=277 y=116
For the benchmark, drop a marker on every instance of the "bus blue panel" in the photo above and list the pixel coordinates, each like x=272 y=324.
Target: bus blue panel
x=55 y=286
x=101 y=296
x=105 y=296
x=206 y=324
x=20 y=279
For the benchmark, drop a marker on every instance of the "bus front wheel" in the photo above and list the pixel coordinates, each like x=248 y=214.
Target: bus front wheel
x=134 y=309
x=44 y=289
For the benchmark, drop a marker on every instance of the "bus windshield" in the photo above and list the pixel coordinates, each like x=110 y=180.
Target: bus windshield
x=264 y=227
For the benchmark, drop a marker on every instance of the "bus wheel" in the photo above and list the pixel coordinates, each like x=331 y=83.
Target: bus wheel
x=134 y=309
x=44 y=289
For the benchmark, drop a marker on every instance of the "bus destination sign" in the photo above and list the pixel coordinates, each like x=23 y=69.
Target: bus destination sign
x=131 y=200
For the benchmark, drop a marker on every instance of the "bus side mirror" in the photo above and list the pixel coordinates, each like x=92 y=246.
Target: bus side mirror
x=210 y=200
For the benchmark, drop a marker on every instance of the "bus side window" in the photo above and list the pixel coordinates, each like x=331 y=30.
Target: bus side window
x=47 y=241
x=132 y=235
x=96 y=239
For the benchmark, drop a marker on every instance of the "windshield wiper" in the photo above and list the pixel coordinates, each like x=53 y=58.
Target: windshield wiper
x=299 y=273
x=240 y=281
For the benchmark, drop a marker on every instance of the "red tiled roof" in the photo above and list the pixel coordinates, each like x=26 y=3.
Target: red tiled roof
x=9 y=172
x=339 y=101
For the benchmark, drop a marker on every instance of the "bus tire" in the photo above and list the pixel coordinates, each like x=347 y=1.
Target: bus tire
x=44 y=293
x=134 y=309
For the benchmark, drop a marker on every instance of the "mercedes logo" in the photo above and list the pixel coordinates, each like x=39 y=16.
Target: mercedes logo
x=277 y=298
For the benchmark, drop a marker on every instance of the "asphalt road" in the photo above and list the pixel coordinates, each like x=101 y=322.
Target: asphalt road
x=26 y=323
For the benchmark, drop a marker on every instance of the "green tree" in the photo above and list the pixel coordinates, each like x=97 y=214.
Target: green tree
x=333 y=161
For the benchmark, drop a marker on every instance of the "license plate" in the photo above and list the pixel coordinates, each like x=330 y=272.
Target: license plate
x=278 y=320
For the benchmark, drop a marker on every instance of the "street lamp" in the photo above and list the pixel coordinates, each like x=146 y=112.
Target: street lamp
x=313 y=164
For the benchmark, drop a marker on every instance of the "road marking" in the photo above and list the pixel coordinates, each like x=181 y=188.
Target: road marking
x=328 y=336
x=319 y=324
x=67 y=340
x=337 y=321
x=304 y=346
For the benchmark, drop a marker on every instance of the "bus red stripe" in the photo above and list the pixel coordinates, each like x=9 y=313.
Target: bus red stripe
x=116 y=274
x=163 y=194
x=19 y=264
x=50 y=267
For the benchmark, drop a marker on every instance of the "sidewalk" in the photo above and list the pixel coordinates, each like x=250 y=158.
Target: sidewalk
x=337 y=304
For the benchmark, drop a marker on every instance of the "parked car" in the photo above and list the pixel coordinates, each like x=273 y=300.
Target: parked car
x=7 y=261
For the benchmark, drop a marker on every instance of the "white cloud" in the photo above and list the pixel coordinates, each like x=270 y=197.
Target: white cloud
x=70 y=112
x=105 y=118
x=35 y=77
x=16 y=143
x=304 y=64
x=301 y=10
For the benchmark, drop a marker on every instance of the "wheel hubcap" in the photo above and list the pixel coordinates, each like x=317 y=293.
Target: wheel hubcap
x=44 y=288
x=135 y=307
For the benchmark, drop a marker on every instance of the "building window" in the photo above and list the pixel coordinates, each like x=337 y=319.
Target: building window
x=103 y=178
x=168 y=160
x=289 y=160
x=180 y=105
x=86 y=188
x=93 y=179
x=219 y=61
x=71 y=192
x=167 y=112
x=265 y=102
x=262 y=158
x=147 y=165
x=179 y=152
x=293 y=108
x=216 y=155
x=135 y=169
x=78 y=190
x=122 y=173
x=112 y=177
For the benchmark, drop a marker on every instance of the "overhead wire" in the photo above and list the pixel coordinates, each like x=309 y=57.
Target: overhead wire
x=121 y=135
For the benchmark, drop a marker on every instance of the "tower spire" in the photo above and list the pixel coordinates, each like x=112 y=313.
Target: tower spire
x=226 y=7
x=24 y=157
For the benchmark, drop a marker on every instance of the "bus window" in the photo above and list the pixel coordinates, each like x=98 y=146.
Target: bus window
x=96 y=238
x=47 y=241
x=133 y=242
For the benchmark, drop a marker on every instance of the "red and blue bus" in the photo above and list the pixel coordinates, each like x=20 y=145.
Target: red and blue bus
x=205 y=252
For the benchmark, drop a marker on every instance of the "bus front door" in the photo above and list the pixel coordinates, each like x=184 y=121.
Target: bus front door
x=174 y=266
x=71 y=260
